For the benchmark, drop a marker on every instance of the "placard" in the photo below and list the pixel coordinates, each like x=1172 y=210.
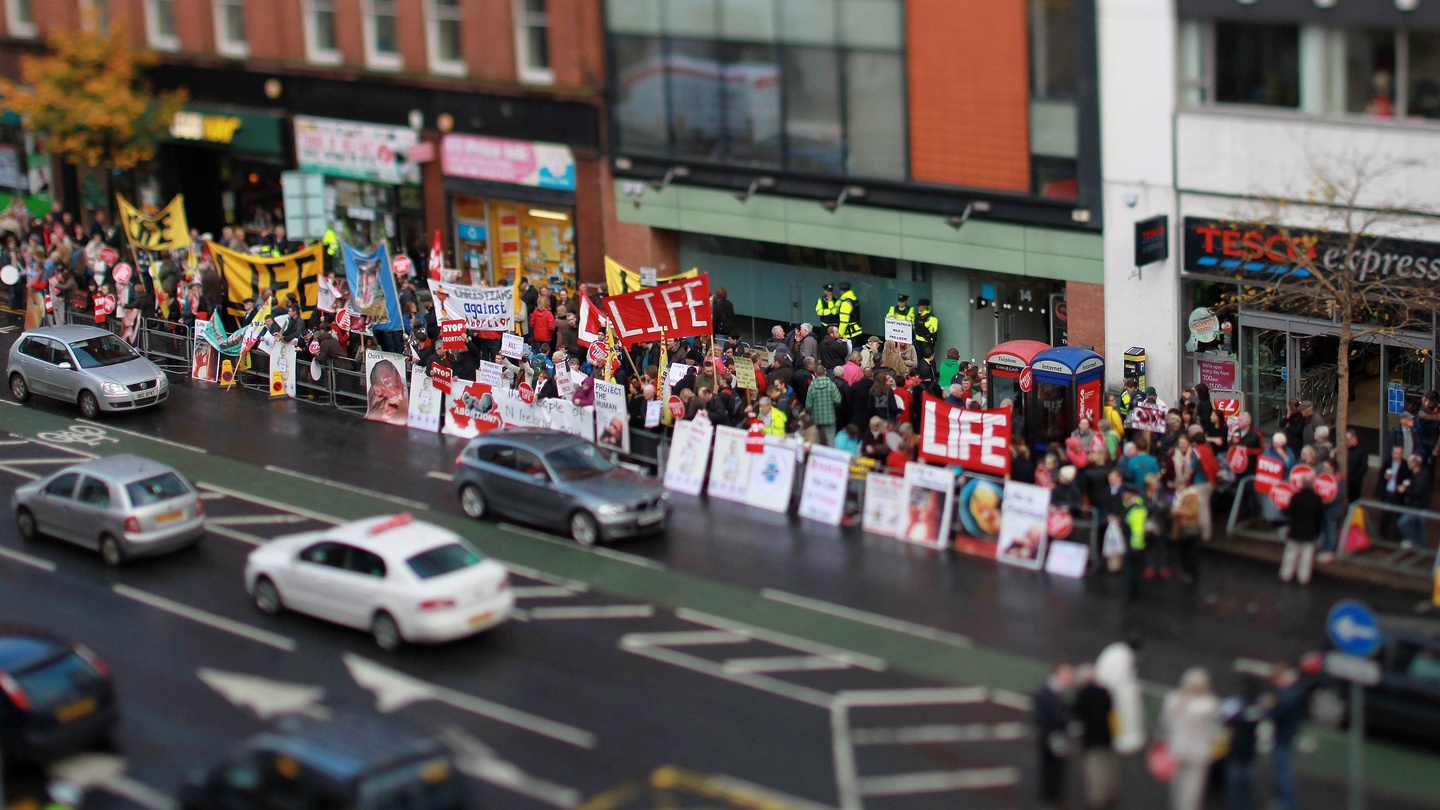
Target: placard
x=1022 y=525
x=884 y=504
x=772 y=478
x=745 y=373
x=978 y=441
x=898 y=330
x=1067 y=559
x=567 y=417
x=730 y=466
x=564 y=385
x=827 y=480
x=652 y=413
x=490 y=373
x=386 y=398
x=649 y=277
x=483 y=309
x=689 y=456
x=612 y=422
x=442 y=375
x=452 y=335
x=676 y=373
x=282 y=370
x=425 y=402
x=1146 y=417
x=512 y=345
x=471 y=410
x=928 y=495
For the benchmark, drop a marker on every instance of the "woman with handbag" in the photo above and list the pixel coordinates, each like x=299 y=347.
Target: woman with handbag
x=1189 y=730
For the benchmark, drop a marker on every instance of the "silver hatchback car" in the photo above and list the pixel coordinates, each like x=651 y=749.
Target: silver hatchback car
x=85 y=365
x=125 y=506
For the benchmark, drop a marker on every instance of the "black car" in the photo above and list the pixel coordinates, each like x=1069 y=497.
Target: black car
x=353 y=761
x=55 y=697
x=1406 y=702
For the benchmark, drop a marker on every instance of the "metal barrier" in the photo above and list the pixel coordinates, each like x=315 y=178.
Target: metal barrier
x=167 y=344
x=347 y=389
x=1387 y=526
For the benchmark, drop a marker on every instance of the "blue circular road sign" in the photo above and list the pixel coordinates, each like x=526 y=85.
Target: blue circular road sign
x=1353 y=628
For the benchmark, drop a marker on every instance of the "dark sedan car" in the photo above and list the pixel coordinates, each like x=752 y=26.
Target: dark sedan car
x=55 y=697
x=1405 y=703
x=558 y=481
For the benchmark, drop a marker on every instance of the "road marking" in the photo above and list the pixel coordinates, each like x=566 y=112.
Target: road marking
x=148 y=437
x=256 y=520
x=476 y=759
x=541 y=592
x=847 y=774
x=27 y=559
x=1010 y=700
x=57 y=446
x=369 y=493
x=14 y=442
x=284 y=507
x=439 y=476
x=803 y=694
x=683 y=638
x=865 y=617
x=601 y=551
x=39 y=460
x=861 y=660
x=923 y=696
x=592 y=612
x=938 y=781
x=394 y=690
x=267 y=699
x=235 y=534
x=22 y=473
x=544 y=576
x=211 y=496
x=929 y=735
x=632 y=559
x=783 y=663
x=255 y=634
x=106 y=772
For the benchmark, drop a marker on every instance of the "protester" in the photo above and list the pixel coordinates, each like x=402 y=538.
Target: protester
x=1052 y=721
x=1306 y=517
x=1116 y=670
x=1287 y=715
x=1190 y=723
x=1094 y=710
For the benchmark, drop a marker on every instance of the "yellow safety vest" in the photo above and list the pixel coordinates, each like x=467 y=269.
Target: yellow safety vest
x=849 y=320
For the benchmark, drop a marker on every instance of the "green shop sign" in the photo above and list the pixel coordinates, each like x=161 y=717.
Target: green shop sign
x=252 y=133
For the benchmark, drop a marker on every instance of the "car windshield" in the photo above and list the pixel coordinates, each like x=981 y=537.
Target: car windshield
x=162 y=487
x=57 y=680
x=579 y=460
x=443 y=560
x=105 y=350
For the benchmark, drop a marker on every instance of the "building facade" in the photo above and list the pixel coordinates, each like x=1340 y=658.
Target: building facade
x=943 y=149
x=1224 y=122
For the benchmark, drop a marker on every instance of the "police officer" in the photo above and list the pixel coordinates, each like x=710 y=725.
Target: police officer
x=849 y=313
x=827 y=309
x=927 y=326
x=901 y=311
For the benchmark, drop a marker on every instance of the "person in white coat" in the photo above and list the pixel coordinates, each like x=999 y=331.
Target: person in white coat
x=1115 y=670
x=1190 y=726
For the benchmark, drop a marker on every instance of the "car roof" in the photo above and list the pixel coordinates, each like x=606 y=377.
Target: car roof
x=1416 y=628
x=540 y=440
x=69 y=333
x=122 y=468
x=400 y=536
x=348 y=745
x=22 y=648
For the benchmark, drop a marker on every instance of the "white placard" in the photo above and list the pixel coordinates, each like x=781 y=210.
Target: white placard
x=649 y=277
x=492 y=374
x=675 y=374
x=517 y=412
x=899 y=331
x=730 y=467
x=884 y=504
x=1067 y=559
x=929 y=492
x=827 y=480
x=772 y=477
x=652 y=413
x=288 y=363
x=689 y=455
x=512 y=345
x=425 y=402
x=612 y=422
x=564 y=385
x=1022 y=525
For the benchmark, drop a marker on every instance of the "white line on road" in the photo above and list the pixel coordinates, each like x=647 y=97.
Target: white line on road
x=57 y=446
x=39 y=460
x=592 y=612
x=865 y=617
x=936 y=696
x=255 y=634
x=137 y=435
x=541 y=592
x=694 y=663
x=861 y=660
x=439 y=476
x=632 y=559
x=931 y=735
x=27 y=559
x=601 y=551
x=683 y=638
x=284 y=507
x=13 y=442
x=16 y=471
x=783 y=663
x=544 y=576
x=256 y=520
x=939 y=781
x=479 y=760
x=369 y=493
x=1010 y=700
x=235 y=534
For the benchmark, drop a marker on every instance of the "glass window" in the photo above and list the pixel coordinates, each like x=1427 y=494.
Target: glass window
x=1052 y=49
x=326 y=553
x=1424 y=80
x=695 y=94
x=498 y=455
x=443 y=560
x=106 y=350
x=532 y=37
x=230 y=27
x=691 y=18
x=1364 y=72
x=367 y=563
x=22 y=15
x=875 y=101
x=94 y=492
x=445 y=32
x=814 y=132
x=35 y=347
x=163 y=12
x=1257 y=64
x=640 y=95
x=58 y=681
x=747 y=20
x=383 y=16
x=871 y=24
x=632 y=16
x=162 y=487
x=528 y=463
x=752 y=105
x=322 y=27
x=579 y=460
x=63 y=486
x=809 y=22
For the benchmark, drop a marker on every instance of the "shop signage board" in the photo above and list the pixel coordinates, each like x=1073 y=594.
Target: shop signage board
x=304 y=196
x=1395 y=398
x=253 y=133
x=1228 y=402
x=499 y=160
x=1152 y=240
x=978 y=441
x=1260 y=252
x=1217 y=373
x=375 y=153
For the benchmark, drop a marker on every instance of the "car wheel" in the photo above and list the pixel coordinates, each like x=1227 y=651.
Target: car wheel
x=1328 y=708
x=89 y=405
x=18 y=388
x=25 y=522
x=583 y=528
x=267 y=597
x=472 y=501
x=111 y=552
x=386 y=632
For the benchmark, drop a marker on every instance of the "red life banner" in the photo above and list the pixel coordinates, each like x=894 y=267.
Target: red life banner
x=452 y=335
x=591 y=322
x=1269 y=471
x=978 y=441
x=1281 y=494
x=676 y=310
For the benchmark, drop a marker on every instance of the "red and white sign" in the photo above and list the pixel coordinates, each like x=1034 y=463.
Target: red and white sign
x=402 y=265
x=441 y=376
x=314 y=347
x=521 y=163
x=1280 y=495
x=526 y=392
x=109 y=255
x=1228 y=406
x=472 y=410
x=422 y=152
x=1298 y=472
x=122 y=273
x=978 y=441
x=677 y=408
x=1027 y=380
x=755 y=439
x=104 y=304
x=437 y=258
x=1087 y=405
x=345 y=319
x=676 y=310
x=598 y=354
x=1147 y=417
x=452 y=335
x=1238 y=459
x=1269 y=471
x=1327 y=488
x=591 y=323
x=1059 y=524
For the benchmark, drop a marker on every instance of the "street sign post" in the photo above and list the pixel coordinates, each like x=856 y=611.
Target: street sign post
x=1355 y=632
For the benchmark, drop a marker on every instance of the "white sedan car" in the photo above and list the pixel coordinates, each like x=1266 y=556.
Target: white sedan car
x=399 y=578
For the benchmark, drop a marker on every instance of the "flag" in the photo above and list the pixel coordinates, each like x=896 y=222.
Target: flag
x=437 y=258
x=167 y=230
x=245 y=276
x=374 y=301
x=619 y=280
x=665 y=417
x=592 y=321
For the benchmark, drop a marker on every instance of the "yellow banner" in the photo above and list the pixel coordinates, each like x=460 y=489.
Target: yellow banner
x=620 y=281
x=167 y=230
x=245 y=276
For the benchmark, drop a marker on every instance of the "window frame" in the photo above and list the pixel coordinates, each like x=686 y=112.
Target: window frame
x=522 y=21
x=224 y=44
x=434 y=19
x=314 y=53
x=47 y=489
x=376 y=59
x=104 y=487
x=14 y=26
x=154 y=37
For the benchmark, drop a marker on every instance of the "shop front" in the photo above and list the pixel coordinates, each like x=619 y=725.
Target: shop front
x=372 y=187
x=227 y=162
x=512 y=209
x=1269 y=356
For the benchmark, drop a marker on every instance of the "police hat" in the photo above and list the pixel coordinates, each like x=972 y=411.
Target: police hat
x=829 y=288
x=902 y=298
x=924 y=302
x=844 y=286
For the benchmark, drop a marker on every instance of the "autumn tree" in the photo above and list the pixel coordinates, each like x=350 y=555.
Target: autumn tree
x=1350 y=262
x=90 y=98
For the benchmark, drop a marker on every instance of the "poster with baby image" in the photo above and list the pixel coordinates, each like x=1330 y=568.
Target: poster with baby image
x=1022 y=525
x=385 y=388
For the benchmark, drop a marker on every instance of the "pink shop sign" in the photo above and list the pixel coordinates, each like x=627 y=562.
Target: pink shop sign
x=1217 y=373
x=498 y=160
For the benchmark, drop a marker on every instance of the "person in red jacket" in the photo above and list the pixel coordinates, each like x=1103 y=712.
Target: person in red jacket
x=542 y=327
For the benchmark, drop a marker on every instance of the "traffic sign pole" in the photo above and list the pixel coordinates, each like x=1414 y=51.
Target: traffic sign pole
x=1357 y=747
x=1354 y=631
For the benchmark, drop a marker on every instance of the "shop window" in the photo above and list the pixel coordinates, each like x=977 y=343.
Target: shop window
x=876 y=24
x=1257 y=64
x=875 y=100
x=320 y=43
x=752 y=105
x=495 y=239
x=810 y=22
x=695 y=92
x=443 y=38
x=532 y=41
x=640 y=90
x=814 y=130
x=20 y=18
x=1052 y=49
x=382 y=51
x=1423 y=97
x=747 y=20
x=1362 y=72
x=160 y=25
x=230 y=28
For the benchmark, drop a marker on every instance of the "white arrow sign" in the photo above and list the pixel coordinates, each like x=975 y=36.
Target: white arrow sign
x=394 y=689
x=1347 y=628
x=264 y=697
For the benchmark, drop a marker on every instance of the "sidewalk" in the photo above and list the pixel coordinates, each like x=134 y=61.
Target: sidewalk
x=1348 y=569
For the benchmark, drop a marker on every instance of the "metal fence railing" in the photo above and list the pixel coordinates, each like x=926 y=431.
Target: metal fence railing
x=1397 y=537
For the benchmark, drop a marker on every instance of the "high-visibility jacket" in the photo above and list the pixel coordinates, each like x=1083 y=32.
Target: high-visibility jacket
x=927 y=327
x=332 y=242
x=777 y=423
x=849 y=315
x=1135 y=518
x=896 y=314
x=828 y=311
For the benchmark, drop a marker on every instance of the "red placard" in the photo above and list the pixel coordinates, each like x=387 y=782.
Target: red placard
x=314 y=347
x=437 y=258
x=1059 y=524
x=441 y=375
x=104 y=304
x=1298 y=472
x=121 y=273
x=597 y=353
x=1087 y=404
x=755 y=441
x=676 y=310
x=677 y=408
x=1327 y=488
x=1228 y=406
x=1269 y=471
x=109 y=255
x=452 y=335
x=402 y=265
x=1027 y=380
x=978 y=441
x=1280 y=495
x=526 y=392
x=1238 y=459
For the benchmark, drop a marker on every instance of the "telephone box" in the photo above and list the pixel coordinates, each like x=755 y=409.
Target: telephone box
x=1068 y=386
x=1008 y=367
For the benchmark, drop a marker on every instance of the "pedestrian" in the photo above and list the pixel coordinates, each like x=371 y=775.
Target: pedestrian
x=1190 y=723
x=1242 y=715
x=821 y=399
x=1417 y=497
x=1394 y=480
x=1116 y=669
x=1185 y=531
x=1287 y=715
x=1094 y=710
x=1306 y=516
x=1357 y=466
x=1157 y=529
x=1052 y=722
x=1135 y=520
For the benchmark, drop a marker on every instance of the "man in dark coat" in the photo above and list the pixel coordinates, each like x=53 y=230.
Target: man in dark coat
x=1052 y=719
x=833 y=351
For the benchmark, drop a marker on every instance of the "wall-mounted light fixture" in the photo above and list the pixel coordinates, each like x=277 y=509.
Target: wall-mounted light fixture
x=673 y=172
x=858 y=192
x=755 y=185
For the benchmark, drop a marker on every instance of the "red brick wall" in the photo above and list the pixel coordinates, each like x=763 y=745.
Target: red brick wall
x=489 y=39
x=634 y=246
x=969 y=77
x=1086 y=307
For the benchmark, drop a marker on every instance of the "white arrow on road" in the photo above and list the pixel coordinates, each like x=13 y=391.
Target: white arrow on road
x=87 y=772
x=394 y=689
x=476 y=759
x=264 y=697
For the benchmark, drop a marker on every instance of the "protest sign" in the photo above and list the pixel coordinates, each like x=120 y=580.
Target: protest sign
x=689 y=455
x=1023 y=514
x=676 y=310
x=512 y=345
x=978 y=441
x=827 y=479
x=564 y=385
x=385 y=388
x=745 y=373
x=374 y=302
x=442 y=375
x=167 y=230
x=425 y=402
x=483 y=309
x=730 y=467
x=772 y=477
x=612 y=422
x=928 y=495
x=472 y=410
x=899 y=330
x=1146 y=417
x=884 y=504
x=452 y=335
x=245 y=276
x=490 y=373
x=652 y=413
